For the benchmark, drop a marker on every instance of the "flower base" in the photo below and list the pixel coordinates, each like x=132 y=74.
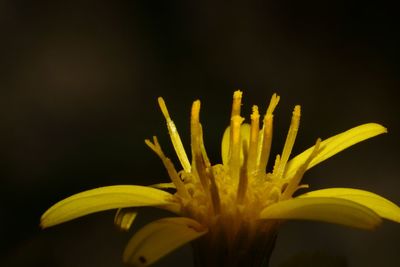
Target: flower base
x=252 y=246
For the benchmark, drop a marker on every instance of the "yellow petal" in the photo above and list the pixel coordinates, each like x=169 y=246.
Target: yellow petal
x=225 y=145
x=383 y=207
x=159 y=238
x=104 y=198
x=334 y=145
x=163 y=186
x=326 y=209
x=124 y=218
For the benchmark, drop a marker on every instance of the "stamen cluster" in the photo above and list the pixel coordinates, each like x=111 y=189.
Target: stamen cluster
x=240 y=187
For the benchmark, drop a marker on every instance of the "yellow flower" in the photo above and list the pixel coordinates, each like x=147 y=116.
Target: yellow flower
x=233 y=208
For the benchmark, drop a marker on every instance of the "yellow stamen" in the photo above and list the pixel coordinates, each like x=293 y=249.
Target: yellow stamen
x=273 y=103
x=293 y=184
x=235 y=147
x=243 y=180
x=215 y=198
x=175 y=138
x=276 y=163
x=237 y=102
x=291 y=137
x=173 y=174
x=254 y=130
x=203 y=148
x=201 y=163
x=234 y=163
x=195 y=128
x=264 y=146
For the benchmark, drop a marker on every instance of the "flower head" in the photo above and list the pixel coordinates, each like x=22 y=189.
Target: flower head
x=234 y=207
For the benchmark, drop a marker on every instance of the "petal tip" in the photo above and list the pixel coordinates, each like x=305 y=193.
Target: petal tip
x=42 y=225
x=44 y=221
x=379 y=127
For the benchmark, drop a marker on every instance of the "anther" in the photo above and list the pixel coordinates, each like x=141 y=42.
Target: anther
x=237 y=102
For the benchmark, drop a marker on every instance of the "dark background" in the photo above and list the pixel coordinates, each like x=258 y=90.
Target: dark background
x=79 y=82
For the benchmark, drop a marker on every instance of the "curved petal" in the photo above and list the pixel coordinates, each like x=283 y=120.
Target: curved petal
x=164 y=186
x=326 y=209
x=104 y=198
x=383 y=207
x=159 y=238
x=225 y=144
x=124 y=218
x=334 y=145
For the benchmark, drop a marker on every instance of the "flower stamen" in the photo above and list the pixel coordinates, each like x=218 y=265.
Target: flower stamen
x=235 y=140
x=264 y=146
x=243 y=180
x=173 y=174
x=175 y=138
x=197 y=159
x=201 y=163
x=234 y=162
x=291 y=137
x=237 y=103
x=254 y=134
x=294 y=182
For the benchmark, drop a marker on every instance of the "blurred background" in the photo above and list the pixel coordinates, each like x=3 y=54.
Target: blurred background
x=78 y=88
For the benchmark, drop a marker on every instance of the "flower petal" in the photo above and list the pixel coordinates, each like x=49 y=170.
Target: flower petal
x=334 y=145
x=383 y=207
x=164 y=186
x=124 y=218
x=104 y=198
x=326 y=209
x=159 y=238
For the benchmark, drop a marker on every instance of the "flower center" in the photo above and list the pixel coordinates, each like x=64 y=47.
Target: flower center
x=238 y=188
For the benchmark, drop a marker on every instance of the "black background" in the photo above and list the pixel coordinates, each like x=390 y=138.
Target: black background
x=79 y=82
